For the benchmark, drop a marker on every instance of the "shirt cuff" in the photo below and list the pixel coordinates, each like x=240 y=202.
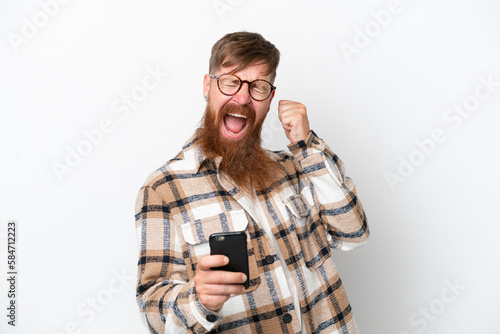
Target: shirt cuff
x=205 y=317
x=313 y=155
x=307 y=147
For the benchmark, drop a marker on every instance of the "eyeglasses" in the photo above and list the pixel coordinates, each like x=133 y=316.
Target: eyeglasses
x=230 y=84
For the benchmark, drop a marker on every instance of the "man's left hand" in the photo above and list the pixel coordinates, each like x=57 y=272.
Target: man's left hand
x=293 y=117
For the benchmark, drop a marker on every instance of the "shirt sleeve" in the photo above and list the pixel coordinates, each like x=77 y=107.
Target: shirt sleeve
x=326 y=188
x=167 y=299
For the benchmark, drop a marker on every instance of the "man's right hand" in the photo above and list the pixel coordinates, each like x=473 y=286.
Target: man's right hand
x=214 y=287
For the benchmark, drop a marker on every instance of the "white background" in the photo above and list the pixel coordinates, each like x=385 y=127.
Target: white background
x=435 y=227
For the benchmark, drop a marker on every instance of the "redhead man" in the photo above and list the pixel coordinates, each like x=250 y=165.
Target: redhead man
x=295 y=209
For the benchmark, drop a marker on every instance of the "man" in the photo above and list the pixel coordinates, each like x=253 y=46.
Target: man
x=295 y=209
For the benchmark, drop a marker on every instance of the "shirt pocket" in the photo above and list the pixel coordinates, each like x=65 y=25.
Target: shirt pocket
x=311 y=231
x=198 y=233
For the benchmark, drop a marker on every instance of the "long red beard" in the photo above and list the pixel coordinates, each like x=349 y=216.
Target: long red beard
x=246 y=163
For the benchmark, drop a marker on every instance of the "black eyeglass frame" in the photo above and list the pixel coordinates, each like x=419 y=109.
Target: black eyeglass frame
x=241 y=85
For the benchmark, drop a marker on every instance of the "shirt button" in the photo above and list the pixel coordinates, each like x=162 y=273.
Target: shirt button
x=211 y=318
x=287 y=317
x=269 y=259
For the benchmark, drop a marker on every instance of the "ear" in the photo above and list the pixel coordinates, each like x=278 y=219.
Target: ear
x=272 y=96
x=206 y=84
x=269 y=100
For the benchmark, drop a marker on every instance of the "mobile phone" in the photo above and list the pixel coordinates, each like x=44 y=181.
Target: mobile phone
x=234 y=246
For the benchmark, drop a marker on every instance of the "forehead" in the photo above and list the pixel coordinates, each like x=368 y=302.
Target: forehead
x=251 y=72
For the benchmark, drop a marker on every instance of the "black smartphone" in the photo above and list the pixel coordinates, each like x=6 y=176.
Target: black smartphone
x=234 y=246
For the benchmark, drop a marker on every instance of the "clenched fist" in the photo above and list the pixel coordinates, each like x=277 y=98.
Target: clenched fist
x=293 y=117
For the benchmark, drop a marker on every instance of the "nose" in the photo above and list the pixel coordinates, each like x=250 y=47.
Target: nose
x=243 y=95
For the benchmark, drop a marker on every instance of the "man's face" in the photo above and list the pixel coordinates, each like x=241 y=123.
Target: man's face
x=235 y=124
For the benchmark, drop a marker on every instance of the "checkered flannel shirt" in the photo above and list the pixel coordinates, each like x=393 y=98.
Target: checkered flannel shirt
x=311 y=211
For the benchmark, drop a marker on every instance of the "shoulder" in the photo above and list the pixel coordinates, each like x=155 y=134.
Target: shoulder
x=159 y=179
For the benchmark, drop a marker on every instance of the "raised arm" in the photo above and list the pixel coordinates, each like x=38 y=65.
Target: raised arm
x=334 y=194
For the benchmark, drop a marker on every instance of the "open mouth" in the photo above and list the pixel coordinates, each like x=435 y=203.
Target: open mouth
x=235 y=124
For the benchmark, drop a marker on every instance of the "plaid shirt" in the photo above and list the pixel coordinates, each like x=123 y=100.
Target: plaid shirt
x=311 y=211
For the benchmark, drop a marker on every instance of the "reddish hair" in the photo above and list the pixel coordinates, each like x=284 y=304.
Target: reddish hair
x=242 y=49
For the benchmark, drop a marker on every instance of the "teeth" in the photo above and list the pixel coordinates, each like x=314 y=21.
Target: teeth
x=238 y=115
